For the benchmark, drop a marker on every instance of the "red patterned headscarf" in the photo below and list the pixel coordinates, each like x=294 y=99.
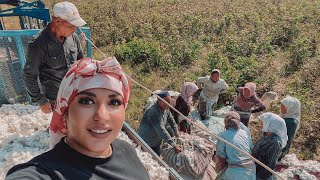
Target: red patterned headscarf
x=88 y=74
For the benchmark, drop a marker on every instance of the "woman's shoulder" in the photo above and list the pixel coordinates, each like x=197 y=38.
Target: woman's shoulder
x=30 y=170
x=119 y=143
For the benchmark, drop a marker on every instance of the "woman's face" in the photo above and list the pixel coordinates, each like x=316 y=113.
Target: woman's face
x=246 y=92
x=215 y=77
x=94 y=119
x=283 y=109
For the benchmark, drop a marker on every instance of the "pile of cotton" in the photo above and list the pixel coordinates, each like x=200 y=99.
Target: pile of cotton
x=24 y=135
x=306 y=170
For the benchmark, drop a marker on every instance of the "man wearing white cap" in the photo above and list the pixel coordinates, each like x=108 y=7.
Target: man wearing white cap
x=51 y=53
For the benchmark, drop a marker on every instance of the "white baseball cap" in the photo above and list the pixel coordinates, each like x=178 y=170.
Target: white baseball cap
x=68 y=11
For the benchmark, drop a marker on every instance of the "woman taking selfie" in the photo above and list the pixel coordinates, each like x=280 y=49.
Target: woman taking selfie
x=89 y=112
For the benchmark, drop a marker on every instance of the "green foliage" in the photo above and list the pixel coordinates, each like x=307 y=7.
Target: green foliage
x=178 y=53
x=284 y=36
x=300 y=51
x=138 y=51
x=257 y=41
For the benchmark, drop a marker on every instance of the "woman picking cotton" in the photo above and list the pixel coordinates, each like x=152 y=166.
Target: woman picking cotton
x=184 y=104
x=231 y=160
x=213 y=86
x=89 y=111
x=269 y=147
x=291 y=112
x=246 y=100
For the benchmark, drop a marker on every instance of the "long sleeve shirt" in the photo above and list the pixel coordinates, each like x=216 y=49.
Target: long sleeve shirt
x=267 y=150
x=239 y=165
x=49 y=60
x=153 y=126
x=245 y=104
x=292 y=125
x=212 y=89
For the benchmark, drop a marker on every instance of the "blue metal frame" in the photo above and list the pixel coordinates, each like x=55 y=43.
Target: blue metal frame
x=24 y=10
x=30 y=32
x=36 y=10
x=16 y=34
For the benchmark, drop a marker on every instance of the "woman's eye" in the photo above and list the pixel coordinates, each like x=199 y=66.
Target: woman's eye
x=85 y=100
x=115 y=102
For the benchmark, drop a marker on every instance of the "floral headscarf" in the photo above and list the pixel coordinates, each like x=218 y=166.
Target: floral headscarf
x=232 y=120
x=274 y=123
x=88 y=74
x=187 y=90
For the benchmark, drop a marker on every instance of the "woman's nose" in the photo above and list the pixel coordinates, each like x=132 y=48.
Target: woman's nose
x=102 y=113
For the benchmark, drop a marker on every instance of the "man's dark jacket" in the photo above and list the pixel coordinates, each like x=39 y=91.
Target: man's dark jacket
x=49 y=60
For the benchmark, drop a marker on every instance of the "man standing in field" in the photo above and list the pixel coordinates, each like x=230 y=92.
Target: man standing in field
x=153 y=125
x=51 y=53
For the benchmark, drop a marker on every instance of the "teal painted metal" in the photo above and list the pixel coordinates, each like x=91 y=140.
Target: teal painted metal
x=17 y=36
x=31 y=32
x=32 y=15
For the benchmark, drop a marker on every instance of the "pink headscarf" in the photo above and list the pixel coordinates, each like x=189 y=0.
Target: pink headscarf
x=252 y=88
x=187 y=90
x=88 y=74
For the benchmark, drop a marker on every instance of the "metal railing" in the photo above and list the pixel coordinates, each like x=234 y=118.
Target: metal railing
x=13 y=51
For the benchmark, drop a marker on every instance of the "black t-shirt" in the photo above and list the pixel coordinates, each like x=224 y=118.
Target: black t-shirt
x=63 y=162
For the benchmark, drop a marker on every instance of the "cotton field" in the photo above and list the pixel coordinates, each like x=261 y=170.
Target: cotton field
x=24 y=134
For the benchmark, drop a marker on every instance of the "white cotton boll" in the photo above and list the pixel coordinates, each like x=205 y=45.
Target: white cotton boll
x=304 y=175
x=300 y=168
x=287 y=174
x=311 y=166
x=290 y=160
x=221 y=112
x=154 y=169
x=3 y=130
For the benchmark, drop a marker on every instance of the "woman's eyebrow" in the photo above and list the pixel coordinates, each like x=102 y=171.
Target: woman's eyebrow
x=87 y=93
x=113 y=95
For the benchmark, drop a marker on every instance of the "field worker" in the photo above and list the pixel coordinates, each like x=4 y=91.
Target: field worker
x=89 y=112
x=269 y=147
x=230 y=161
x=246 y=100
x=153 y=124
x=51 y=53
x=291 y=113
x=184 y=105
x=213 y=86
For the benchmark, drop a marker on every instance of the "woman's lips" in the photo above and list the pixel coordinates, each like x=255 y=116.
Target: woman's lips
x=100 y=132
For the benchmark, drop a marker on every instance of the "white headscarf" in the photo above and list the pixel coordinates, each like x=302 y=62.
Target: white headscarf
x=274 y=123
x=293 y=108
